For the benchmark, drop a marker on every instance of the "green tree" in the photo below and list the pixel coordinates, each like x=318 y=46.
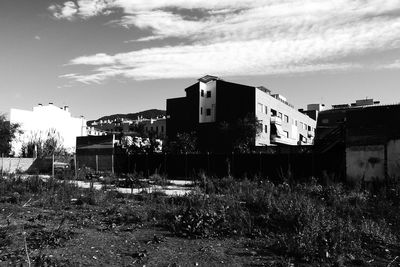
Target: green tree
x=183 y=143
x=41 y=147
x=240 y=136
x=8 y=132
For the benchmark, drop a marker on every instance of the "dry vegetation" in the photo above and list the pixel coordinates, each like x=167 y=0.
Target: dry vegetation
x=225 y=221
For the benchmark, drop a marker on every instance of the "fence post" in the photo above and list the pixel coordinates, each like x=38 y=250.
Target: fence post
x=97 y=163
x=112 y=163
x=165 y=164
x=76 y=168
x=233 y=164
x=147 y=164
x=186 y=165
x=208 y=163
x=52 y=166
x=2 y=165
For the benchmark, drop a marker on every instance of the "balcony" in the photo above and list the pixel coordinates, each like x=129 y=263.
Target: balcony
x=276 y=139
x=276 y=120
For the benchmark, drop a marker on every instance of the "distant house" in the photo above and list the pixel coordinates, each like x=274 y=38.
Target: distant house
x=44 y=120
x=212 y=101
x=366 y=134
x=156 y=127
x=152 y=126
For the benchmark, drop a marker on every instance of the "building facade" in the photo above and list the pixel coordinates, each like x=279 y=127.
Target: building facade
x=155 y=127
x=212 y=101
x=365 y=135
x=46 y=120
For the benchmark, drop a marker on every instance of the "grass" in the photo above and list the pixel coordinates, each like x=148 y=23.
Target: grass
x=303 y=223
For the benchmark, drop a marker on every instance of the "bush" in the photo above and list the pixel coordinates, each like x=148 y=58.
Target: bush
x=308 y=222
x=209 y=217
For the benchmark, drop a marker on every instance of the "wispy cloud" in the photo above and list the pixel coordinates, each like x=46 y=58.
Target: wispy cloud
x=37 y=37
x=394 y=65
x=66 y=11
x=239 y=37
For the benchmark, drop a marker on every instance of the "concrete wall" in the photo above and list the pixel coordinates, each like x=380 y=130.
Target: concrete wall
x=365 y=163
x=393 y=159
x=104 y=162
x=369 y=161
x=10 y=165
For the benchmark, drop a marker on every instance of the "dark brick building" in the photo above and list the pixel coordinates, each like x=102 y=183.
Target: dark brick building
x=212 y=101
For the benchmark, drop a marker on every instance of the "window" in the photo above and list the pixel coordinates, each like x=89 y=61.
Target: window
x=208 y=112
x=266 y=110
x=295 y=122
x=273 y=112
x=202 y=92
x=151 y=128
x=259 y=126
x=266 y=128
x=208 y=93
x=286 y=134
x=286 y=118
x=157 y=129
x=279 y=115
x=201 y=110
x=305 y=126
x=260 y=107
x=162 y=129
x=309 y=128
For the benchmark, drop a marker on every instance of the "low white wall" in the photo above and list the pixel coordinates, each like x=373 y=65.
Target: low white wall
x=10 y=165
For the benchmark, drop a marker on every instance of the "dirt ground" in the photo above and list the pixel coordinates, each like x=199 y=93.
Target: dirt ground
x=56 y=224
x=85 y=235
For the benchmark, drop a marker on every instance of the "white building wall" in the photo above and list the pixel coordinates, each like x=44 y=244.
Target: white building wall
x=207 y=102
x=41 y=120
x=293 y=130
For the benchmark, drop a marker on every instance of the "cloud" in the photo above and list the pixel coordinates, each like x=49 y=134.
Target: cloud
x=66 y=11
x=393 y=66
x=98 y=59
x=37 y=37
x=241 y=37
x=82 y=8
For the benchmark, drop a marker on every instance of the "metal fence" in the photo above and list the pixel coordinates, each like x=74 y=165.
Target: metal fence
x=272 y=166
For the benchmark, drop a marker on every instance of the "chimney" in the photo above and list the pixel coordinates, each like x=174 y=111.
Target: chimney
x=50 y=103
x=66 y=108
x=40 y=105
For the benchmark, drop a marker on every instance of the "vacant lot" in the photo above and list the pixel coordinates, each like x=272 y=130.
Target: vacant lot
x=223 y=222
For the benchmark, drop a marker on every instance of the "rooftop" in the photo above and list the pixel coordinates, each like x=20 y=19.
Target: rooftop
x=208 y=78
x=359 y=103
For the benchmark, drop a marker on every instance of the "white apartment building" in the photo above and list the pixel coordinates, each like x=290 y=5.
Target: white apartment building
x=45 y=119
x=282 y=123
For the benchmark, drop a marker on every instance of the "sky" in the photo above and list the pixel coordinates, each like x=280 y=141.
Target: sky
x=102 y=57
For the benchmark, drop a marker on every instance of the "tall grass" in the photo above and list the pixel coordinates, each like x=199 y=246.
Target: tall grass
x=308 y=221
